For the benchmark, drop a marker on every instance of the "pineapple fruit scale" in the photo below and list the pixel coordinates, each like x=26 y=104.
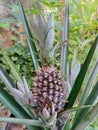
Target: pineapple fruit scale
x=48 y=83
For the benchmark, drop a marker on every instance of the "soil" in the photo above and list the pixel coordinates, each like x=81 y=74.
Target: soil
x=5 y=112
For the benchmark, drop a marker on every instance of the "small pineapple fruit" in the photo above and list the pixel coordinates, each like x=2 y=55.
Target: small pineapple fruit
x=49 y=94
x=48 y=83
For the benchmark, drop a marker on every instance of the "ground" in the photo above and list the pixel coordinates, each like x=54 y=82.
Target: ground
x=5 y=112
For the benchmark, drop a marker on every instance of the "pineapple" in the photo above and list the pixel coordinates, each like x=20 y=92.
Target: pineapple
x=49 y=92
x=48 y=83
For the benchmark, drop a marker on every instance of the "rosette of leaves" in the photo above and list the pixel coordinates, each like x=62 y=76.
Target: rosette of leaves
x=49 y=104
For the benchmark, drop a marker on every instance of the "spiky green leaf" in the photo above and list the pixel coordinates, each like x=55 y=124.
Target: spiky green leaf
x=22 y=121
x=10 y=85
x=49 y=39
x=93 y=113
x=6 y=79
x=80 y=78
x=90 y=101
x=30 y=42
x=14 y=107
x=89 y=83
x=38 y=28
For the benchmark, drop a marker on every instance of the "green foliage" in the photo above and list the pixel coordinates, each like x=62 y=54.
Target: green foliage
x=80 y=78
x=83 y=30
x=30 y=41
x=14 y=107
x=4 y=25
x=83 y=25
x=20 y=56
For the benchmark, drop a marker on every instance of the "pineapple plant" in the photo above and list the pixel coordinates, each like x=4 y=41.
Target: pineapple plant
x=50 y=91
x=49 y=104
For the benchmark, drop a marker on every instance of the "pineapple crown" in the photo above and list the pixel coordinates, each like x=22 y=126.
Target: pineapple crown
x=44 y=32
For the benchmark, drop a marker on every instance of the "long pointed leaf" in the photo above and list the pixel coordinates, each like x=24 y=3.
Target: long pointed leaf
x=10 y=85
x=76 y=108
x=74 y=59
x=14 y=107
x=6 y=79
x=89 y=83
x=49 y=40
x=22 y=121
x=31 y=44
x=79 y=80
x=66 y=126
x=89 y=118
x=90 y=100
x=64 y=53
x=36 y=24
